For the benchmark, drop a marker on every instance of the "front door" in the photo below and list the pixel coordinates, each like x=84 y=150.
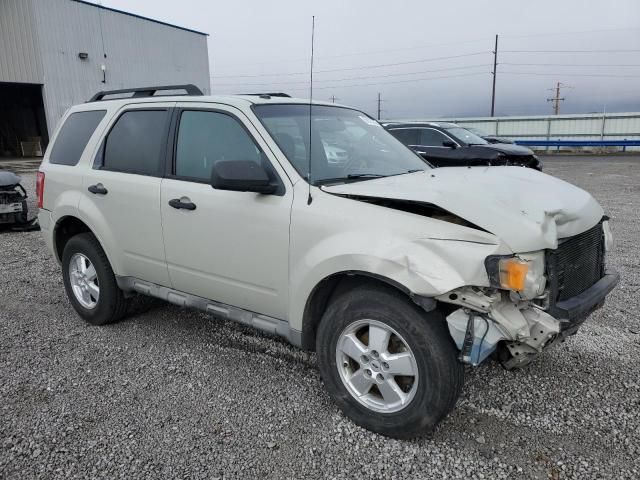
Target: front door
x=231 y=247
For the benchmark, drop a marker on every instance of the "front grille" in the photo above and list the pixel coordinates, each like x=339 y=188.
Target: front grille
x=576 y=264
x=7 y=197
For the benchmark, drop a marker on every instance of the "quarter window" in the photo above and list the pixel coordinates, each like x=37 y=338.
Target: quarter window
x=74 y=136
x=208 y=137
x=135 y=142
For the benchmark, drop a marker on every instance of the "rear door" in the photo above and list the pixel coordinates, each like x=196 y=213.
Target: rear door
x=232 y=247
x=121 y=193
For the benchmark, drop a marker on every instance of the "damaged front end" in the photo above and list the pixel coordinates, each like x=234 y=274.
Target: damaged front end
x=13 y=202
x=489 y=320
x=13 y=199
x=535 y=299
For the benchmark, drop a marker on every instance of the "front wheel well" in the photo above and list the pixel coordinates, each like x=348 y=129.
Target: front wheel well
x=332 y=286
x=65 y=229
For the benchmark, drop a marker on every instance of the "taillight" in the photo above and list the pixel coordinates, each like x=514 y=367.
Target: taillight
x=40 y=189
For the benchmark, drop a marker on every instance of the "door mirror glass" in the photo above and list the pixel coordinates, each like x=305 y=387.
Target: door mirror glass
x=449 y=143
x=241 y=176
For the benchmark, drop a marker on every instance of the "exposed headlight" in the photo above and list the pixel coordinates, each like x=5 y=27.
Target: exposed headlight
x=522 y=274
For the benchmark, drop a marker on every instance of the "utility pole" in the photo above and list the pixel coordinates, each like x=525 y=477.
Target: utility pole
x=557 y=99
x=495 y=66
x=379 y=103
x=334 y=98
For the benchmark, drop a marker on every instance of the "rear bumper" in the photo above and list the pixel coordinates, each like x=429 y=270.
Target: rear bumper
x=573 y=311
x=46 y=226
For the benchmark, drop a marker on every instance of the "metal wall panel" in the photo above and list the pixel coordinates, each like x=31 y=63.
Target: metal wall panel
x=19 y=56
x=518 y=127
x=138 y=53
x=622 y=126
x=609 y=126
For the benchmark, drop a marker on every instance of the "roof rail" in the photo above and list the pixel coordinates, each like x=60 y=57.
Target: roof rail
x=267 y=95
x=190 y=89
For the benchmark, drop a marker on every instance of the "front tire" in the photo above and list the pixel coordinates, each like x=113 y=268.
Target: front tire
x=90 y=282
x=390 y=366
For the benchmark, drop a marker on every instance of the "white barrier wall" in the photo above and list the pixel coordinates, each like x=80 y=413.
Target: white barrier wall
x=593 y=126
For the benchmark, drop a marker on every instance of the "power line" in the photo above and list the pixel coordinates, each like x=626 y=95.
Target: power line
x=571 y=51
x=374 y=52
x=381 y=65
x=570 y=65
x=573 y=74
x=555 y=34
x=435 y=45
x=389 y=83
x=422 y=72
x=297 y=82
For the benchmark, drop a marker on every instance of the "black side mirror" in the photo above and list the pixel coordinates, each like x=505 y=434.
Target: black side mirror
x=241 y=176
x=449 y=143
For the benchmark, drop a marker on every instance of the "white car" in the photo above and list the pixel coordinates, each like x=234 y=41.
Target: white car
x=396 y=274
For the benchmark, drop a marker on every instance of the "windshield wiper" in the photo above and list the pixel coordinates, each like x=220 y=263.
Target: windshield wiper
x=351 y=176
x=356 y=176
x=365 y=175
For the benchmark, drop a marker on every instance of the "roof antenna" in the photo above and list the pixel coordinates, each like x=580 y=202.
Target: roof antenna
x=313 y=28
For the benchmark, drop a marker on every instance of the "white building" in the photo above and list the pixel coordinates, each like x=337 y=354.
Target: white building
x=57 y=53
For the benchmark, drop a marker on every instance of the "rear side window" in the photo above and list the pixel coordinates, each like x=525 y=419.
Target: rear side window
x=74 y=136
x=135 y=142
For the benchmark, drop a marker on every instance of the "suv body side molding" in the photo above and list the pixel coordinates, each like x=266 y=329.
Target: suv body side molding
x=265 y=323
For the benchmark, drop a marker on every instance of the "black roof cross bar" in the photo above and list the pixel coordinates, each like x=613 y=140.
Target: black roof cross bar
x=190 y=89
x=267 y=95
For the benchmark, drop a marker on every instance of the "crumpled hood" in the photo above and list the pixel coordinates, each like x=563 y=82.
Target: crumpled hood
x=526 y=209
x=8 y=179
x=508 y=149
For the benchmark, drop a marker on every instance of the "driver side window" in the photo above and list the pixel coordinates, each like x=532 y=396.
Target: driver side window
x=205 y=138
x=432 y=138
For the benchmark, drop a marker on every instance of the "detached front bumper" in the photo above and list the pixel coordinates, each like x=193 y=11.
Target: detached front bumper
x=485 y=321
x=573 y=311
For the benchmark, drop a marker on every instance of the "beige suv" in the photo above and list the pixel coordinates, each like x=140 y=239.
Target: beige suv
x=395 y=273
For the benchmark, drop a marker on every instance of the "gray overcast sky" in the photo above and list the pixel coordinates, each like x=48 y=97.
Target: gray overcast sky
x=265 y=46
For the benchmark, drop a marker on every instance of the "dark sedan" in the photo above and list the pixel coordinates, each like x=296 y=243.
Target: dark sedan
x=448 y=145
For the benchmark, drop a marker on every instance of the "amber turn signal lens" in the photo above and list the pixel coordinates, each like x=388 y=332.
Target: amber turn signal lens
x=513 y=273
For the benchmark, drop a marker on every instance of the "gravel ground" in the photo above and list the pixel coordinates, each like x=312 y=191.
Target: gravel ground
x=173 y=393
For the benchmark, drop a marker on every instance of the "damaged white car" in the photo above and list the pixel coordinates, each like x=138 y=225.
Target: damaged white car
x=395 y=273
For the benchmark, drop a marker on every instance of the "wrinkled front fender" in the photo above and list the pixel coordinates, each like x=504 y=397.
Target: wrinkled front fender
x=427 y=257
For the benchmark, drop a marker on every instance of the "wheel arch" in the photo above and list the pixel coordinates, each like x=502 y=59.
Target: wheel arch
x=65 y=228
x=332 y=285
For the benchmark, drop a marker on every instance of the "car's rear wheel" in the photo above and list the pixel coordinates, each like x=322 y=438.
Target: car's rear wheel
x=389 y=365
x=90 y=282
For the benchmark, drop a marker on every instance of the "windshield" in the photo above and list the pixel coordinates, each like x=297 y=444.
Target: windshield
x=466 y=136
x=346 y=145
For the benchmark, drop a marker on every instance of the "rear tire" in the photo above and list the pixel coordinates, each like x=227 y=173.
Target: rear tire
x=432 y=377
x=98 y=306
